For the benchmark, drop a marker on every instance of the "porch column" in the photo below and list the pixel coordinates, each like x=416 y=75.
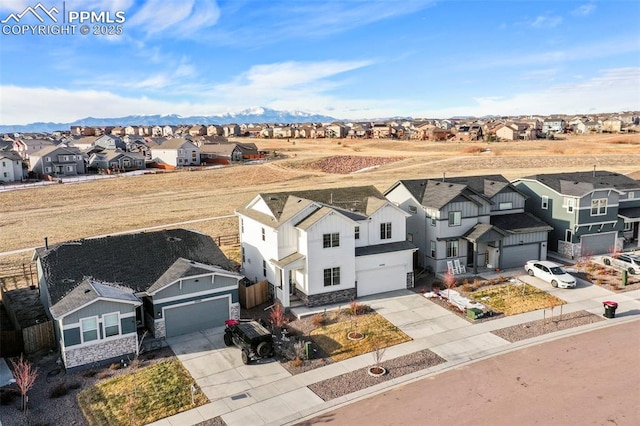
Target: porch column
x=500 y=254
x=475 y=257
x=284 y=280
x=638 y=234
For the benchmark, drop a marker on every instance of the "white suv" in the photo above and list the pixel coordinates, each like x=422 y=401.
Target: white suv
x=628 y=261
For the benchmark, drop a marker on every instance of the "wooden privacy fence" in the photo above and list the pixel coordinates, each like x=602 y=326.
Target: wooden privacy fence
x=16 y=276
x=252 y=294
x=38 y=337
x=227 y=240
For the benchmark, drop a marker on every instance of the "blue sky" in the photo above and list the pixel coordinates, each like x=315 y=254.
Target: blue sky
x=348 y=59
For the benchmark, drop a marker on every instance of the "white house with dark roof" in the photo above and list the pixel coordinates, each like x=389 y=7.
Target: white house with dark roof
x=101 y=292
x=325 y=246
x=479 y=221
x=11 y=169
x=176 y=152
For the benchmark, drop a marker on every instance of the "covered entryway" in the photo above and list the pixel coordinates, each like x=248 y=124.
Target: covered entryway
x=516 y=256
x=379 y=280
x=195 y=316
x=597 y=243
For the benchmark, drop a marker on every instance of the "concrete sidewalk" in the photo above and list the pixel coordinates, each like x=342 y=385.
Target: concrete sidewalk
x=270 y=395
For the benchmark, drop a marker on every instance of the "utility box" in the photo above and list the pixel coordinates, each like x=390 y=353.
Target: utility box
x=474 y=313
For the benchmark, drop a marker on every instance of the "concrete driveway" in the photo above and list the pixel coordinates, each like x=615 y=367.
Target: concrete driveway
x=217 y=369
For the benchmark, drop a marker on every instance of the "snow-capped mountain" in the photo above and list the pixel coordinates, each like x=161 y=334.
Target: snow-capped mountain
x=251 y=115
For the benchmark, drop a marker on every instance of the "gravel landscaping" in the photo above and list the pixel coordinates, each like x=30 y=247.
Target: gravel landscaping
x=544 y=326
x=360 y=379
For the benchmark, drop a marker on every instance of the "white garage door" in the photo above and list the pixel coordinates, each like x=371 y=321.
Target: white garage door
x=380 y=280
x=194 y=317
x=516 y=256
x=598 y=243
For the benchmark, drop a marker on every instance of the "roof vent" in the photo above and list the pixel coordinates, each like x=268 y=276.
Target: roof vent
x=87 y=291
x=173 y=239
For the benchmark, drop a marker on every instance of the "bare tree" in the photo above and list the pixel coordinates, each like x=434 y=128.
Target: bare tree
x=278 y=317
x=449 y=281
x=25 y=375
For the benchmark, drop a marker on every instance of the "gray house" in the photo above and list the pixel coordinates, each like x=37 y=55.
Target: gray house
x=102 y=292
x=478 y=220
x=57 y=161
x=591 y=212
x=110 y=142
x=117 y=160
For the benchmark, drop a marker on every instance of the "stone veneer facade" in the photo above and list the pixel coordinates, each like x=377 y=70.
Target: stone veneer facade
x=327 y=298
x=101 y=351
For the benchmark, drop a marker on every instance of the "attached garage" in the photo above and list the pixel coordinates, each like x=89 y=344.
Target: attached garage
x=196 y=316
x=597 y=243
x=380 y=280
x=516 y=256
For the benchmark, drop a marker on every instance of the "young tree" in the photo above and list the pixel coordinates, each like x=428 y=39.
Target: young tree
x=449 y=281
x=278 y=316
x=25 y=375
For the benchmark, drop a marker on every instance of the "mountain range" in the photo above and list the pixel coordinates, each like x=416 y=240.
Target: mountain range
x=252 y=115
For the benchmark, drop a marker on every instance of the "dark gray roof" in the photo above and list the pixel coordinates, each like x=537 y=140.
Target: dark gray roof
x=89 y=290
x=181 y=268
x=437 y=193
x=629 y=212
x=10 y=155
x=385 y=248
x=518 y=223
x=581 y=183
x=483 y=232
x=136 y=261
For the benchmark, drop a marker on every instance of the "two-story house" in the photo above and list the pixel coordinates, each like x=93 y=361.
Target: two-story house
x=177 y=152
x=11 y=166
x=57 y=161
x=591 y=212
x=553 y=125
x=117 y=160
x=478 y=220
x=100 y=292
x=325 y=246
x=110 y=142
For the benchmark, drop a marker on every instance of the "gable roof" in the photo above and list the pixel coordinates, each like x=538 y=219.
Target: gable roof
x=53 y=148
x=580 y=183
x=88 y=291
x=436 y=193
x=182 y=268
x=175 y=143
x=136 y=261
x=10 y=155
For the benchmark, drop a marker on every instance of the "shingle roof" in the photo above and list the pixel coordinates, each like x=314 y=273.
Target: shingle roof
x=89 y=290
x=136 y=261
x=181 y=268
x=10 y=155
x=174 y=143
x=385 y=248
x=581 y=183
x=518 y=223
x=435 y=193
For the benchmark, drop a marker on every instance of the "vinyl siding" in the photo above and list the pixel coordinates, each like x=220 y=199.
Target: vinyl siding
x=98 y=308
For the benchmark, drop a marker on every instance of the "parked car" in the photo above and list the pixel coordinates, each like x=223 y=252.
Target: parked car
x=628 y=261
x=550 y=272
x=254 y=340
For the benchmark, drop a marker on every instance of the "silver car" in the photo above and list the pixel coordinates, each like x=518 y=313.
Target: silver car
x=550 y=272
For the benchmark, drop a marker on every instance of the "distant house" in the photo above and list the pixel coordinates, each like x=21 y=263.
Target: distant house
x=325 y=246
x=110 y=142
x=117 y=131
x=25 y=147
x=11 y=166
x=156 y=131
x=553 y=125
x=478 y=220
x=177 y=152
x=83 y=144
x=100 y=292
x=197 y=130
x=117 y=160
x=214 y=130
x=57 y=161
x=590 y=212
x=612 y=125
x=224 y=153
x=230 y=130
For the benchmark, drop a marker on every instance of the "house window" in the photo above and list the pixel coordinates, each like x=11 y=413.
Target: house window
x=599 y=207
x=331 y=240
x=69 y=168
x=568 y=235
x=47 y=159
x=410 y=237
x=452 y=248
x=413 y=209
x=331 y=277
x=89 y=328
x=111 y=324
x=181 y=152
x=432 y=251
x=263 y=235
x=193 y=155
x=385 y=231
x=455 y=218
x=47 y=169
x=264 y=268
x=243 y=255
x=630 y=195
x=4 y=164
x=241 y=226
x=545 y=202
x=627 y=226
x=432 y=219
x=571 y=203
x=506 y=205
x=356 y=232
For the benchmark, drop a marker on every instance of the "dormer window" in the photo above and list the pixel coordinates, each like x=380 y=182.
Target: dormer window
x=505 y=206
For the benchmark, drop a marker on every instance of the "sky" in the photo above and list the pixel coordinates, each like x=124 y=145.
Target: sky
x=348 y=59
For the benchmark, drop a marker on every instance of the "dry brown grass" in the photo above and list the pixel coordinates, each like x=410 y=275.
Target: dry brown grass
x=64 y=212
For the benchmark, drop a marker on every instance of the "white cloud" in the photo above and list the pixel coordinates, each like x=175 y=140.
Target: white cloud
x=546 y=21
x=175 y=18
x=584 y=10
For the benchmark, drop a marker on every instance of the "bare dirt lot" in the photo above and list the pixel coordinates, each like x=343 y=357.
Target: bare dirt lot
x=73 y=211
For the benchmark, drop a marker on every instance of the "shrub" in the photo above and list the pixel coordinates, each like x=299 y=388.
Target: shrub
x=74 y=385
x=297 y=362
x=89 y=373
x=115 y=366
x=135 y=363
x=473 y=149
x=467 y=287
x=103 y=375
x=58 y=390
x=356 y=308
x=319 y=320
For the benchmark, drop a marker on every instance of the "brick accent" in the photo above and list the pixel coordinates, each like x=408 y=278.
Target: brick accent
x=327 y=298
x=159 y=329
x=77 y=356
x=234 y=311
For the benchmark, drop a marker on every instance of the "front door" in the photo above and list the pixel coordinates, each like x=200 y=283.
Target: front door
x=470 y=253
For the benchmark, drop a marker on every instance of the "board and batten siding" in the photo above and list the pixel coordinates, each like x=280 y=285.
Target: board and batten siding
x=97 y=309
x=528 y=238
x=204 y=283
x=513 y=197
